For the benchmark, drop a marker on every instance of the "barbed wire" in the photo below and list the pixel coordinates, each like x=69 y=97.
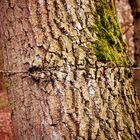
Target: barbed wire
x=10 y=71
x=135 y=68
x=16 y=72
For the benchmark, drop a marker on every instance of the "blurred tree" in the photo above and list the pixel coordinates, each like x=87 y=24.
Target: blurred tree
x=69 y=75
x=124 y=14
x=135 y=4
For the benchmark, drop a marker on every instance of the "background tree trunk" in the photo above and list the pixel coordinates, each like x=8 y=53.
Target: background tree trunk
x=67 y=71
x=136 y=14
x=125 y=17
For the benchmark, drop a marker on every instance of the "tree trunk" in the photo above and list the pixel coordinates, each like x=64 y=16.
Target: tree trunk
x=125 y=17
x=136 y=13
x=67 y=71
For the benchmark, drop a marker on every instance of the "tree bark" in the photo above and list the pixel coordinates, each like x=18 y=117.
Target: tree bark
x=68 y=74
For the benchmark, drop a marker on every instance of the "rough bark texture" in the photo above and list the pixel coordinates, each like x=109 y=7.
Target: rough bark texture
x=68 y=75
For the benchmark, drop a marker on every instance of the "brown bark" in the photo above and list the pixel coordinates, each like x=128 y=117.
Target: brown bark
x=57 y=88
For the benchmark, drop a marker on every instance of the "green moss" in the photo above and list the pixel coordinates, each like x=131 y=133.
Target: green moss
x=102 y=51
x=127 y=137
x=108 y=45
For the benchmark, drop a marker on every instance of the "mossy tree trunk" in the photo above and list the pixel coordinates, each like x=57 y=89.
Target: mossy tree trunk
x=68 y=73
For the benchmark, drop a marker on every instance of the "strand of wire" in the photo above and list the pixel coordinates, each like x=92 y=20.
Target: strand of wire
x=16 y=72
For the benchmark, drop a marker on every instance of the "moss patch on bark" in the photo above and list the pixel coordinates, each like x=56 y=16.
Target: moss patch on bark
x=108 y=45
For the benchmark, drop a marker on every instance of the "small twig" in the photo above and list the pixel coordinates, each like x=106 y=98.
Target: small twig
x=127 y=29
